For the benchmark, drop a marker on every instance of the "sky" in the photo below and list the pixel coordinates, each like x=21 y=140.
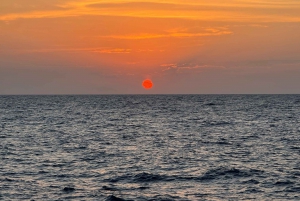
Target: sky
x=184 y=47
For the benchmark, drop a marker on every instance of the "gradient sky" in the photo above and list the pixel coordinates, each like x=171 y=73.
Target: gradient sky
x=110 y=47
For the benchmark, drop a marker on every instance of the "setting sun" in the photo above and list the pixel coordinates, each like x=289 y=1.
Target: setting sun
x=147 y=84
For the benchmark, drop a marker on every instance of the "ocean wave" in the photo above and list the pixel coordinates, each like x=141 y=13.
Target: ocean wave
x=228 y=173
x=114 y=198
x=217 y=123
x=283 y=183
x=142 y=177
x=216 y=173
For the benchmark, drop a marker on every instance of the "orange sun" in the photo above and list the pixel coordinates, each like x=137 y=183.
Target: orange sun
x=147 y=84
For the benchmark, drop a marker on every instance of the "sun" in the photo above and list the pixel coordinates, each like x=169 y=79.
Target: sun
x=147 y=84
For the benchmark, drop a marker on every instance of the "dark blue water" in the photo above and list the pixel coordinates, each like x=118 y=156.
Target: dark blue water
x=150 y=147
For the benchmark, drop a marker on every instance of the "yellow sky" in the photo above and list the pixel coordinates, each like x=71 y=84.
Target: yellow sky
x=126 y=41
x=266 y=10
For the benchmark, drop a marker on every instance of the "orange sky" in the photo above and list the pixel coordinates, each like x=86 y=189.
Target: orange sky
x=192 y=46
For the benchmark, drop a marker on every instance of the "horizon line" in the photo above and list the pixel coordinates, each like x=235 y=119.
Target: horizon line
x=116 y=94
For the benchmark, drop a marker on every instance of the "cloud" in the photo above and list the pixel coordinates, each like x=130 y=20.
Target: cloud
x=114 y=51
x=141 y=5
x=22 y=6
x=96 y=50
x=187 y=67
x=208 y=32
x=236 y=11
x=192 y=5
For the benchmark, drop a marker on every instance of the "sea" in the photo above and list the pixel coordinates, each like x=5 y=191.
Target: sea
x=150 y=147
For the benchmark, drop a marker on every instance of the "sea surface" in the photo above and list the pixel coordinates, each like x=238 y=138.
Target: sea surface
x=150 y=147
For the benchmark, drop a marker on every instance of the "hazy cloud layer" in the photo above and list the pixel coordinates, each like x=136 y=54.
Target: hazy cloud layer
x=193 y=46
x=256 y=11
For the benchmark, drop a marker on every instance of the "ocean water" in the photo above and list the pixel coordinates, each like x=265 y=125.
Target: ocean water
x=150 y=147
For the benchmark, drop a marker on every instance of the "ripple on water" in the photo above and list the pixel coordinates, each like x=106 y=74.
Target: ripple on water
x=172 y=147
